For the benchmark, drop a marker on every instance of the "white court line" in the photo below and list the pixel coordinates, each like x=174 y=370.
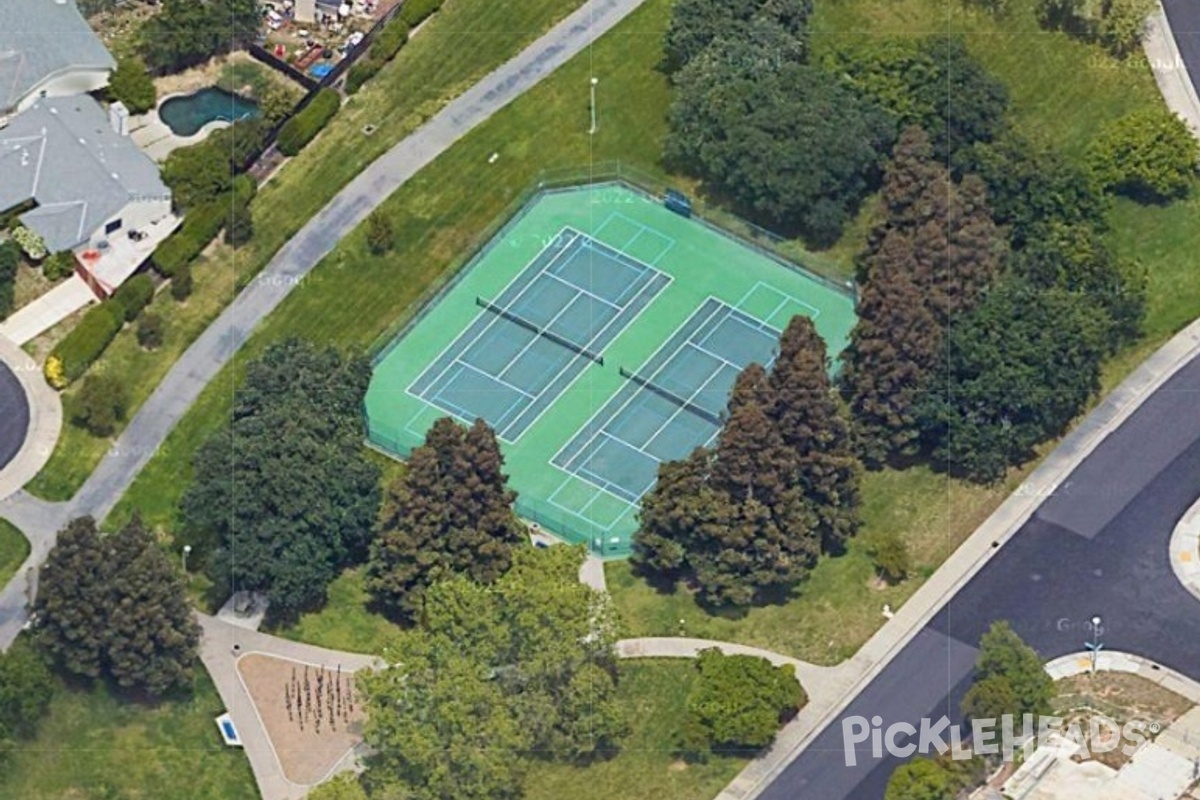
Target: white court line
x=580 y=290
x=539 y=335
x=721 y=307
x=648 y=284
x=495 y=378
x=495 y=317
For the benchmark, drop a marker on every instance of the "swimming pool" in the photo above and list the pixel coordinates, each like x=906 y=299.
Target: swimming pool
x=187 y=114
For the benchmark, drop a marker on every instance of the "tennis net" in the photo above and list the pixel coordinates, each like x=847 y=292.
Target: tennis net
x=540 y=331
x=670 y=396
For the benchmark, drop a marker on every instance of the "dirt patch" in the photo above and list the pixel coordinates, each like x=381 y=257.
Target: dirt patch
x=1122 y=697
x=312 y=715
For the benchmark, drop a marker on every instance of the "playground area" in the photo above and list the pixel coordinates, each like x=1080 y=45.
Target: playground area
x=599 y=334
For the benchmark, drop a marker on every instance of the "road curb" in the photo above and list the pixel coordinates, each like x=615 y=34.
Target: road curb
x=973 y=554
x=45 y=419
x=1185 y=550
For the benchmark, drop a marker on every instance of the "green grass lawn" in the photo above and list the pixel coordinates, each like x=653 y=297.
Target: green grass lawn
x=94 y=745
x=1061 y=91
x=461 y=43
x=345 y=623
x=14 y=549
x=653 y=694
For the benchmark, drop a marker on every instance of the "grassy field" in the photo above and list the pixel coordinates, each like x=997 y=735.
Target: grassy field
x=92 y=745
x=654 y=694
x=345 y=623
x=464 y=41
x=437 y=216
x=14 y=549
x=1061 y=91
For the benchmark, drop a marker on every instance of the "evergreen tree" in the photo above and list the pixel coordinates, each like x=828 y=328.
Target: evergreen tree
x=449 y=514
x=893 y=350
x=152 y=637
x=70 y=612
x=814 y=428
x=672 y=513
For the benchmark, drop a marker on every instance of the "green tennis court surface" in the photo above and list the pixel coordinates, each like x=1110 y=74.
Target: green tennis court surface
x=599 y=334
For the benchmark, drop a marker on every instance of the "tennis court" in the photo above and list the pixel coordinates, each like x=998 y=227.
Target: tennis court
x=530 y=343
x=599 y=334
x=671 y=404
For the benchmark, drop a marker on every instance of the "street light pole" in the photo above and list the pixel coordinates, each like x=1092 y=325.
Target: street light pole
x=187 y=548
x=1095 y=645
x=593 y=128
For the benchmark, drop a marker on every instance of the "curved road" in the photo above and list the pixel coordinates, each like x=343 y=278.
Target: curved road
x=1098 y=546
x=218 y=344
x=14 y=415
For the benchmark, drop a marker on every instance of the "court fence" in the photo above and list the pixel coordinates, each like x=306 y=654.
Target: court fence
x=552 y=518
x=540 y=515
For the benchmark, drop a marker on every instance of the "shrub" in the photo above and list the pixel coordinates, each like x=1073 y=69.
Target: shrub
x=54 y=372
x=360 y=73
x=380 y=237
x=1147 y=155
x=889 y=552
x=389 y=41
x=132 y=85
x=80 y=348
x=100 y=405
x=10 y=258
x=739 y=701
x=134 y=295
x=181 y=283
x=415 y=12
x=150 y=331
x=29 y=242
x=59 y=265
x=301 y=129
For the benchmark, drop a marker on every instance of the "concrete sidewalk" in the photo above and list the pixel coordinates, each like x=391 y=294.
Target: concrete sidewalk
x=1169 y=70
x=45 y=419
x=34 y=319
x=968 y=559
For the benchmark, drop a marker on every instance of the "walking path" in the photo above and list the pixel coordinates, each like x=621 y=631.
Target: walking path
x=221 y=646
x=213 y=349
x=967 y=560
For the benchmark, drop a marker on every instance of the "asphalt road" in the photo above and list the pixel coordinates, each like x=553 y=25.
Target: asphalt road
x=1184 y=16
x=1098 y=546
x=14 y=415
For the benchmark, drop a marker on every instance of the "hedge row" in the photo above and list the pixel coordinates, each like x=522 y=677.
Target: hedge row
x=200 y=226
x=80 y=348
x=414 y=12
x=304 y=127
x=134 y=295
x=388 y=41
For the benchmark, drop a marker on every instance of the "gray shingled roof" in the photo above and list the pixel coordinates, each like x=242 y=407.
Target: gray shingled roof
x=62 y=153
x=40 y=38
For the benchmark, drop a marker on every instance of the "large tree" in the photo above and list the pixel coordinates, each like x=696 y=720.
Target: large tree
x=736 y=518
x=932 y=83
x=696 y=24
x=1148 y=155
x=791 y=146
x=1009 y=677
x=284 y=496
x=186 y=32
x=113 y=606
x=813 y=426
x=740 y=701
x=1019 y=369
x=26 y=687
x=894 y=349
x=492 y=677
x=449 y=514
x=151 y=636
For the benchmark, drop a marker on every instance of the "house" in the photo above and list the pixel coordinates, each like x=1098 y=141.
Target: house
x=88 y=182
x=47 y=49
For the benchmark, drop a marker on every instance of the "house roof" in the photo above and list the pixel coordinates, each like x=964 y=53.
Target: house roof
x=62 y=153
x=40 y=39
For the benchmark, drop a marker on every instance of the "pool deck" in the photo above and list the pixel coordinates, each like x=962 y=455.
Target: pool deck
x=156 y=140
